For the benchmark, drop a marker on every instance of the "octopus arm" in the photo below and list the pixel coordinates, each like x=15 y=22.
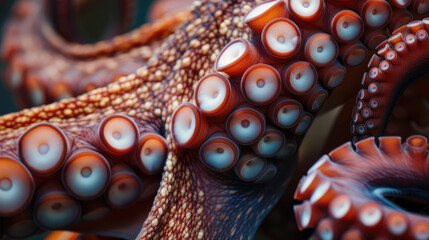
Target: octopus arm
x=400 y=61
x=375 y=190
x=45 y=66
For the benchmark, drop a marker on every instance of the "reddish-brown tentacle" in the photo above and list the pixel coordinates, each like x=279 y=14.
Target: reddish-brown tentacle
x=85 y=171
x=40 y=69
x=197 y=198
x=359 y=191
x=399 y=62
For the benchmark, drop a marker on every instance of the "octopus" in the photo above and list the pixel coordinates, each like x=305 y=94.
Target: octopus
x=194 y=125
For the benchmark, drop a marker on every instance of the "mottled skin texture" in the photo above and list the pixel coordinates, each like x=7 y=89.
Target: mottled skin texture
x=397 y=171
x=192 y=202
x=238 y=207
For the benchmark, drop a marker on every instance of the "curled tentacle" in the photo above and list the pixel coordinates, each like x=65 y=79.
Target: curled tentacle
x=194 y=188
x=402 y=52
x=40 y=72
x=346 y=189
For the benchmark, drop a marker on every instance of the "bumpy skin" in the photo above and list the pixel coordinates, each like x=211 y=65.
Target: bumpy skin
x=149 y=98
x=346 y=193
x=194 y=201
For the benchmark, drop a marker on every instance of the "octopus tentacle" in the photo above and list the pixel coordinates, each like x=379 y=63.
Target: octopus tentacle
x=281 y=40
x=85 y=121
x=192 y=125
x=200 y=197
x=400 y=59
x=39 y=71
x=85 y=171
x=365 y=192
